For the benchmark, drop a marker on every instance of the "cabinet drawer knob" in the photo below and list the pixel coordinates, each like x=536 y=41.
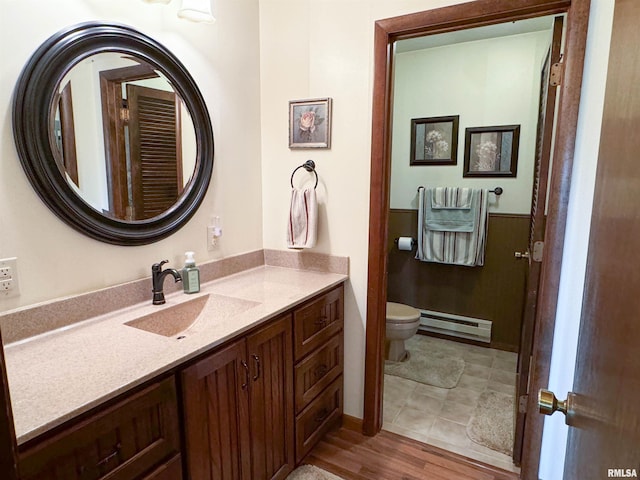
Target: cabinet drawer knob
x=322 y=321
x=320 y=371
x=109 y=457
x=82 y=469
x=322 y=415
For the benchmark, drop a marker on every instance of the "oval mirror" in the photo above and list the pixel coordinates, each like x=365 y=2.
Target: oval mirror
x=113 y=133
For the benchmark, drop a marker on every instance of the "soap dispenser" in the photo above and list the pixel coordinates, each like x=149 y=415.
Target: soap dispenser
x=190 y=274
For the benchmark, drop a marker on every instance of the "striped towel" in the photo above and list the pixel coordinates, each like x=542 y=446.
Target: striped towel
x=452 y=225
x=302 y=226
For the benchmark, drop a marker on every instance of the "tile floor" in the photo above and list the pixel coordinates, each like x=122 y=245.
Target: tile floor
x=439 y=416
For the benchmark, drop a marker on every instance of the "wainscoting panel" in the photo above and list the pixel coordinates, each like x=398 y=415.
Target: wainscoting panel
x=493 y=292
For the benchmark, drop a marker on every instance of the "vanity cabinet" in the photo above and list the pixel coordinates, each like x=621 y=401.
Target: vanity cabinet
x=238 y=408
x=137 y=438
x=251 y=410
x=319 y=364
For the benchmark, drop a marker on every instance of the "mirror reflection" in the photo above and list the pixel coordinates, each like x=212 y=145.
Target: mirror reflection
x=122 y=136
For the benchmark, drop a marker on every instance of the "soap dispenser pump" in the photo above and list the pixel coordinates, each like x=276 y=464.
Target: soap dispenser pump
x=190 y=274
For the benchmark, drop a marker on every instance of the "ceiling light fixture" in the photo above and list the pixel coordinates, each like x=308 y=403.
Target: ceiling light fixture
x=193 y=10
x=196 y=11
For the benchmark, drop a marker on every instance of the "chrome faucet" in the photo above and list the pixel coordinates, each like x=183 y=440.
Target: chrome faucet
x=157 y=278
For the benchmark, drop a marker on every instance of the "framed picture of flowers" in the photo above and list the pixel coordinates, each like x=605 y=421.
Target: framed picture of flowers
x=310 y=123
x=434 y=141
x=491 y=151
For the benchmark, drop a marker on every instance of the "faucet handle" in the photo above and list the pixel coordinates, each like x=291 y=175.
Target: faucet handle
x=157 y=267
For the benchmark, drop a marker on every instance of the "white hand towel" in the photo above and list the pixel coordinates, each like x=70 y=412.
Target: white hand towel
x=303 y=219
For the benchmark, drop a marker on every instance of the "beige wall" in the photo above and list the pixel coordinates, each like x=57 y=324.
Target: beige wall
x=53 y=259
x=324 y=48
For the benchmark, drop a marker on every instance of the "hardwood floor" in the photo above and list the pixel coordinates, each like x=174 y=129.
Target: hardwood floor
x=388 y=456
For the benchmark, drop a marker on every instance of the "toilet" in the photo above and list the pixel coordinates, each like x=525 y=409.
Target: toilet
x=402 y=324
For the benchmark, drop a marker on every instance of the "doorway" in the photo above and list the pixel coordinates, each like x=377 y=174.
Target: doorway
x=488 y=81
x=142 y=129
x=448 y=19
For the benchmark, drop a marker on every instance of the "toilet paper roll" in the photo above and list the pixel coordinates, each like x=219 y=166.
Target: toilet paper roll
x=405 y=243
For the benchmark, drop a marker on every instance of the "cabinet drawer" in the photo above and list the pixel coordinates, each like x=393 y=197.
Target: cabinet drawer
x=318 y=418
x=123 y=442
x=172 y=470
x=317 y=322
x=318 y=370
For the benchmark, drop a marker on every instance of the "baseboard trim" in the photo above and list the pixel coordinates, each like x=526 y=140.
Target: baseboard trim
x=352 y=423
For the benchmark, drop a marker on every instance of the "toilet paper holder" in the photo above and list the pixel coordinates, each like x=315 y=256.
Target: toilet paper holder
x=396 y=241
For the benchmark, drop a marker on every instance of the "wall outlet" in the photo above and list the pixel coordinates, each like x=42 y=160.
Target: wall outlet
x=9 y=286
x=214 y=232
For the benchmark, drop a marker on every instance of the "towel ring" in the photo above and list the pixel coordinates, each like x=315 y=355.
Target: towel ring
x=309 y=166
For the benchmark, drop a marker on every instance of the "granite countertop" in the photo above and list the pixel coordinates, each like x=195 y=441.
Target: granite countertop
x=54 y=377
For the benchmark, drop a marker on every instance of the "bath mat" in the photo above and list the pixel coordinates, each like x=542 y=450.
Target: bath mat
x=310 y=472
x=492 y=423
x=430 y=367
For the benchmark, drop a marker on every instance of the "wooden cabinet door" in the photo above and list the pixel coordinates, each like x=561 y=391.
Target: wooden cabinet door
x=271 y=400
x=216 y=409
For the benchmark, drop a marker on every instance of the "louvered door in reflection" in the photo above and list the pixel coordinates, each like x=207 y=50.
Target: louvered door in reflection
x=155 y=150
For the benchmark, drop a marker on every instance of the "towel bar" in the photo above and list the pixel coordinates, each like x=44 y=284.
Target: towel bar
x=309 y=166
x=498 y=190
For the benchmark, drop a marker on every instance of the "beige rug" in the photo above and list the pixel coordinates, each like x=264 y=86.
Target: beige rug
x=435 y=368
x=310 y=472
x=492 y=423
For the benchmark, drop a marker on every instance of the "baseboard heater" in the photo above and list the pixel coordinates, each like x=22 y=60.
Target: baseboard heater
x=455 y=325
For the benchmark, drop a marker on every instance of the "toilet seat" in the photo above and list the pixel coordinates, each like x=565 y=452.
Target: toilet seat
x=400 y=313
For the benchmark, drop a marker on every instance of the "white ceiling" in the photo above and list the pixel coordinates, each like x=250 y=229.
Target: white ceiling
x=473 y=34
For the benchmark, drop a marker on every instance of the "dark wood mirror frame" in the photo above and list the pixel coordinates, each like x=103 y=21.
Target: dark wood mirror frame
x=36 y=92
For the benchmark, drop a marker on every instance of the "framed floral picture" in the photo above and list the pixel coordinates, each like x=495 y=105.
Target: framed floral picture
x=434 y=141
x=310 y=123
x=491 y=151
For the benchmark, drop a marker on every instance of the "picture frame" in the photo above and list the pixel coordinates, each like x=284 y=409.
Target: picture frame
x=491 y=151
x=434 y=141
x=310 y=123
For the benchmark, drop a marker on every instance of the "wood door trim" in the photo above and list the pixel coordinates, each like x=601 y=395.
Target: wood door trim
x=567 y=121
x=111 y=99
x=69 y=155
x=478 y=13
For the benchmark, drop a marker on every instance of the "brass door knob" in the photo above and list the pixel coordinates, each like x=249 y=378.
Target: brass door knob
x=548 y=404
